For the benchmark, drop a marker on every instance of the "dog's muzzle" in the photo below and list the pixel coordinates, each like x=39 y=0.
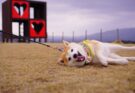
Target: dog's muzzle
x=79 y=57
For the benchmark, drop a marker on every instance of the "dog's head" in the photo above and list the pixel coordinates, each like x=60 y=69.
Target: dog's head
x=73 y=54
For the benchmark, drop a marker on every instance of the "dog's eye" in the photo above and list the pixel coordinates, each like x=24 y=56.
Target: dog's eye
x=71 y=50
x=69 y=58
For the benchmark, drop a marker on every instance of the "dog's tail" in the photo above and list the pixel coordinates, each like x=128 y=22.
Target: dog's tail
x=117 y=47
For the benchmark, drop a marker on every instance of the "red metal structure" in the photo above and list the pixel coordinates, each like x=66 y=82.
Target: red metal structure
x=30 y=17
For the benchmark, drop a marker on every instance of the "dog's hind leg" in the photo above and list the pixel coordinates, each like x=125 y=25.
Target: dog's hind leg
x=112 y=55
x=130 y=58
x=121 y=61
x=116 y=59
x=115 y=47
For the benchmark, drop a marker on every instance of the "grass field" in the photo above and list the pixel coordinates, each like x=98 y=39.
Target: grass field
x=33 y=68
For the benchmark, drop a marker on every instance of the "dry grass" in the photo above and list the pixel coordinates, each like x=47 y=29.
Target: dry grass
x=32 y=68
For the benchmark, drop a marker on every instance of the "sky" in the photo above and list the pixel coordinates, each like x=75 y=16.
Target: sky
x=91 y=15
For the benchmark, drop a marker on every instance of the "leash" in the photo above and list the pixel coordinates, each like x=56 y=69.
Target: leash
x=49 y=46
x=44 y=44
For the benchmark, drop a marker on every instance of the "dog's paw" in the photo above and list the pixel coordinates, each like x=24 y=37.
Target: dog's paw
x=105 y=64
x=124 y=62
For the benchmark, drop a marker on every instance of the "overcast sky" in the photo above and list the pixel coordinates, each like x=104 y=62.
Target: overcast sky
x=78 y=15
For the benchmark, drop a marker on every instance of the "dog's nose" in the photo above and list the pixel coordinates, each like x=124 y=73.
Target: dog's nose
x=75 y=56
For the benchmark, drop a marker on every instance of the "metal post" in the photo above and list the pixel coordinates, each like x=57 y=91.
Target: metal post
x=62 y=36
x=19 y=32
x=45 y=39
x=3 y=36
x=86 y=35
x=53 y=37
x=11 y=39
x=28 y=39
x=73 y=36
x=39 y=39
x=34 y=39
x=118 y=36
x=101 y=35
x=19 y=26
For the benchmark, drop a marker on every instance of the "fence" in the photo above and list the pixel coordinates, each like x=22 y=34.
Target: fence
x=124 y=35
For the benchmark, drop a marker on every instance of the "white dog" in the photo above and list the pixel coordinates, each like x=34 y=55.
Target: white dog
x=79 y=54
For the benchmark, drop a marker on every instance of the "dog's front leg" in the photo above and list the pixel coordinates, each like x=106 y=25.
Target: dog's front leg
x=102 y=59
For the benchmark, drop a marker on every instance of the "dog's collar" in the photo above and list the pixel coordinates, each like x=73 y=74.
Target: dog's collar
x=88 y=48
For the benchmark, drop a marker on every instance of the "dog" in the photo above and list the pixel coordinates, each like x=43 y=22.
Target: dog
x=92 y=51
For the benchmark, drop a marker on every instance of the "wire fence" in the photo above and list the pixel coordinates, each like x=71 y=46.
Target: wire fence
x=125 y=35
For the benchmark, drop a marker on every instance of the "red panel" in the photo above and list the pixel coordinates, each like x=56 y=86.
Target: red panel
x=18 y=0
x=16 y=5
x=37 y=28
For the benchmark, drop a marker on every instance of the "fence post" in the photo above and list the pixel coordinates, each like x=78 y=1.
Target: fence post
x=34 y=39
x=3 y=36
x=28 y=39
x=11 y=38
x=62 y=36
x=53 y=37
x=39 y=39
x=73 y=37
x=118 y=36
x=45 y=39
x=101 y=35
x=86 y=36
x=19 y=31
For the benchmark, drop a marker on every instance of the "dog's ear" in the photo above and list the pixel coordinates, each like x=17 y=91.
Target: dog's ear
x=66 y=43
x=60 y=61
